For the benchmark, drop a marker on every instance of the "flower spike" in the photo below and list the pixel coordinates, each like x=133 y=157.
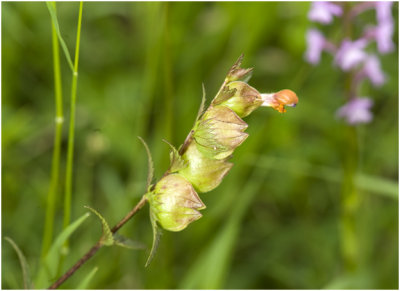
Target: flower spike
x=202 y=161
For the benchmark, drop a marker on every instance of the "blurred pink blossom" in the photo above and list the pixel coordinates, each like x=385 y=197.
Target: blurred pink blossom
x=384 y=29
x=315 y=46
x=351 y=53
x=372 y=69
x=383 y=35
x=357 y=110
x=323 y=12
x=383 y=11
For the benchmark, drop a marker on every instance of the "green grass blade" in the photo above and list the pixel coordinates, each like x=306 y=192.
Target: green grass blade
x=23 y=262
x=53 y=15
x=47 y=271
x=85 y=282
x=71 y=131
x=55 y=166
x=373 y=184
x=377 y=185
x=209 y=271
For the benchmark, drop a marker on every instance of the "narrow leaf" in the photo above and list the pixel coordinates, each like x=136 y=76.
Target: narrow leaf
x=177 y=163
x=373 y=184
x=49 y=266
x=125 y=242
x=150 y=173
x=213 y=262
x=24 y=264
x=107 y=238
x=53 y=15
x=85 y=282
x=156 y=238
x=378 y=185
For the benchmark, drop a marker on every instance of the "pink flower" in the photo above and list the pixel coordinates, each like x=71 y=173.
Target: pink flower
x=385 y=27
x=350 y=54
x=323 y=12
x=372 y=69
x=315 y=46
x=357 y=110
x=383 y=35
x=384 y=11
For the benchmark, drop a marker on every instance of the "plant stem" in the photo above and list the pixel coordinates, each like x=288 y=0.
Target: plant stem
x=78 y=264
x=98 y=245
x=59 y=119
x=70 y=150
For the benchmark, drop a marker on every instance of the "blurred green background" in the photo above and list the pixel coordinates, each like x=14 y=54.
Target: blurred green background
x=274 y=222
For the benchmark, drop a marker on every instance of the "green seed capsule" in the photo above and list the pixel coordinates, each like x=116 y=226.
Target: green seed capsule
x=175 y=203
x=219 y=132
x=204 y=173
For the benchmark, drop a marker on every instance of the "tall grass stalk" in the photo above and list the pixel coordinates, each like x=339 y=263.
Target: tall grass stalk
x=153 y=46
x=167 y=74
x=350 y=204
x=70 y=150
x=349 y=197
x=55 y=167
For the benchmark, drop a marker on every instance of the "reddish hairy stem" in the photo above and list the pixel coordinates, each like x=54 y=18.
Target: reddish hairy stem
x=97 y=246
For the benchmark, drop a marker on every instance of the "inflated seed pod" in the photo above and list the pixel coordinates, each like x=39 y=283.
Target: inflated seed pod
x=204 y=173
x=219 y=132
x=174 y=202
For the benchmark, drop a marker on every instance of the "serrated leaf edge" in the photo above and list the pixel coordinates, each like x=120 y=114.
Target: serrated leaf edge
x=177 y=162
x=150 y=173
x=107 y=237
x=156 y=238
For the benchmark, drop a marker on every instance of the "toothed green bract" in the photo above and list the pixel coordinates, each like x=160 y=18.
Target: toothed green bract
x=177 y=163
x=202 y=104
x=156 y=238
x=107 y=238
x=150 y=173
